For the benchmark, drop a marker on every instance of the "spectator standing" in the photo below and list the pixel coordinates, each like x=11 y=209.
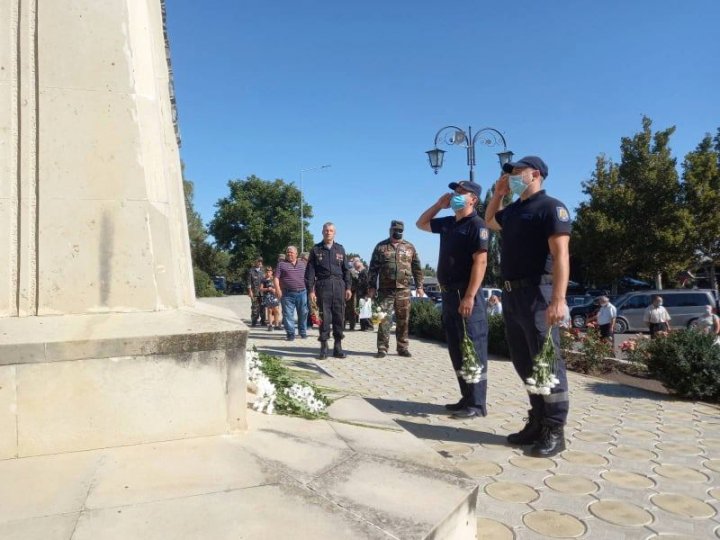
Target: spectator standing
x=351 y=306
x=394 y=263
x=461 y=269
x=254 y=280
x=606 y=318
x=657 y=317
x=363 y=291
x=270 y=300
x=494 y=308
x=290 y=287
x=535 y=267
x=709 y=323
x=327 y=277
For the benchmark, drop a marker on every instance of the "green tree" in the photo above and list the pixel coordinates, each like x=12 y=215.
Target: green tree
x=259 y=217
x=429 y=271
x=701 y=197
x=201 y=252
x=634 y=221
x=600 y=236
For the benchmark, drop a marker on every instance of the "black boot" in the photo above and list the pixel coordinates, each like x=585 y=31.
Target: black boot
x=550 y=442
x=337 y=350
x=529 y=434
x=323 y=351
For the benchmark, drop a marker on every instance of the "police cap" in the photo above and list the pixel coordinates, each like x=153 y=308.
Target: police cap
x=533 y=162
x=467 y=185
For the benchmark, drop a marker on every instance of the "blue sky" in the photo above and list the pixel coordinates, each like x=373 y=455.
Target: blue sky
x=270 y=88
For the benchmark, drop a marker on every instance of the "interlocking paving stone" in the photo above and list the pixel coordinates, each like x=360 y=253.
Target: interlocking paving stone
x=554 y=524
x=679 y=448
x=533 y=464
x=489 y=529
x=585 y=458
x=621 y=513
x=571 y=484
x=633 y=453
x=683 y=505
x=649 y=435
x=628 y=480
x=681 y=474
x=511 y=492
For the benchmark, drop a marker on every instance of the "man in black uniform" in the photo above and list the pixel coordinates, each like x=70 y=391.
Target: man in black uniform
x=327 y=277
x=461 y=269
x=255 y=276
x=535 y=266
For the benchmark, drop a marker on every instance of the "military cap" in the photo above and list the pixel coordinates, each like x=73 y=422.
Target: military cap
x=397 y=224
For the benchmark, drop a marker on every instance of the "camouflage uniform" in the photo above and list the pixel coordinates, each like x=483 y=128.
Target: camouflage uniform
x=394 y=265
x=351 y=306
x=254 y=280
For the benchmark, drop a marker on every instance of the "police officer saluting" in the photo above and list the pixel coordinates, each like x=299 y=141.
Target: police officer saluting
x=461 y=269
x=327 y=277
x=535 y=266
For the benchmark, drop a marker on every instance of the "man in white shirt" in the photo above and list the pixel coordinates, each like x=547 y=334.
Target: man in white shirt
x=606 y=318
x=657 y=317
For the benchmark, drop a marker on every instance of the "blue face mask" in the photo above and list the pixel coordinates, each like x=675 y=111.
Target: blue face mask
x=457 y=202
x=517 y=186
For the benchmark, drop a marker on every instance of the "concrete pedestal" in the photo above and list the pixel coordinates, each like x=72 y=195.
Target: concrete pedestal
x=80 y=382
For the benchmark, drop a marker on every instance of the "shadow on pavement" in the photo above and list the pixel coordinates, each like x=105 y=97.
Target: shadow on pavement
x=409 y=408
x=612 y=389
x=451 y=434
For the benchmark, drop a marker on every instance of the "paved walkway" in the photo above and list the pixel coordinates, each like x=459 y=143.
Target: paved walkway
x=639 y=465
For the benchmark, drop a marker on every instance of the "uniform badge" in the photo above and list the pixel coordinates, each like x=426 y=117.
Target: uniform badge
x=483 y=234
x=562 y=214
x=339 y=256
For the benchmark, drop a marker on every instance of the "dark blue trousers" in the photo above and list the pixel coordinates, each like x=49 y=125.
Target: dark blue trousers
x=525 y=331
x=330 y=294
x=474 y=396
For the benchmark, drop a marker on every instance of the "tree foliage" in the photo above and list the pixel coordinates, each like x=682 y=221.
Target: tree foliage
x=207 y=260
x=633 y=221
x=701 y=197
x=259 y=218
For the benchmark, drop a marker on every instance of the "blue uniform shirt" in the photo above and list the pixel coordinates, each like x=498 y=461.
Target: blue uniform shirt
x=459 y=240
x=526 y=226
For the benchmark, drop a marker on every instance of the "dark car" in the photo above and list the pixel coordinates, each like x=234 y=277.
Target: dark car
x=579 y=315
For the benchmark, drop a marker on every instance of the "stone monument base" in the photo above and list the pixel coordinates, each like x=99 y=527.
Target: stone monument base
x=80 y=382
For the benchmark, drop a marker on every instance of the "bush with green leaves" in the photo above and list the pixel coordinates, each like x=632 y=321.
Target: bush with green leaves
x=497 y=343
x=591 y=353
x=687 y=362
x=426 y=321
x=204 y=285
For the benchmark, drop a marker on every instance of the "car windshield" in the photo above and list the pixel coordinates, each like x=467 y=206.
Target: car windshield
x=620 y=300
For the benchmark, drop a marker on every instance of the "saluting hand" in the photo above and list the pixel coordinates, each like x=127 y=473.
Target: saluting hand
x=444 y=200
x=502 y=186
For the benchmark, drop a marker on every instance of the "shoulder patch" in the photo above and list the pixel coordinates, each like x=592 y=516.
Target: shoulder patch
x=562 y=213
x=484 y=234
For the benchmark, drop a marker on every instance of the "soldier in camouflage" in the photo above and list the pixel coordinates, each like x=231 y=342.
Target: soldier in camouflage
x=393 y=264
x=255 y=277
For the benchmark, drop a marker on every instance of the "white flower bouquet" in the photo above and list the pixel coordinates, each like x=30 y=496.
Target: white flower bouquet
x=471 y=370
x=378 y=314
x=277 y=389
x=543 y=378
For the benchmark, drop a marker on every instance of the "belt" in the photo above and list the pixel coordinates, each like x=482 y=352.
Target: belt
x=510 y=284
x=452 y=287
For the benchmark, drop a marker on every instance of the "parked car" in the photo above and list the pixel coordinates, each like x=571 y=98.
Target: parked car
x=578 y=300
x=490 y=291
x=579 y=315
x=683 y=305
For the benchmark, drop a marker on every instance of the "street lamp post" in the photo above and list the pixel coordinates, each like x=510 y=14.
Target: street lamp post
x=302 y=210
x=453 y=135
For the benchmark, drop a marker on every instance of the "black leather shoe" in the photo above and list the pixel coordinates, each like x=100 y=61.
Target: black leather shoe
x=405 y=353
x=380 y=354
x=323 y=351
x=551 y=441
x=337 y=350
x=467 y=413
x=455 y=406
x=529 y=434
